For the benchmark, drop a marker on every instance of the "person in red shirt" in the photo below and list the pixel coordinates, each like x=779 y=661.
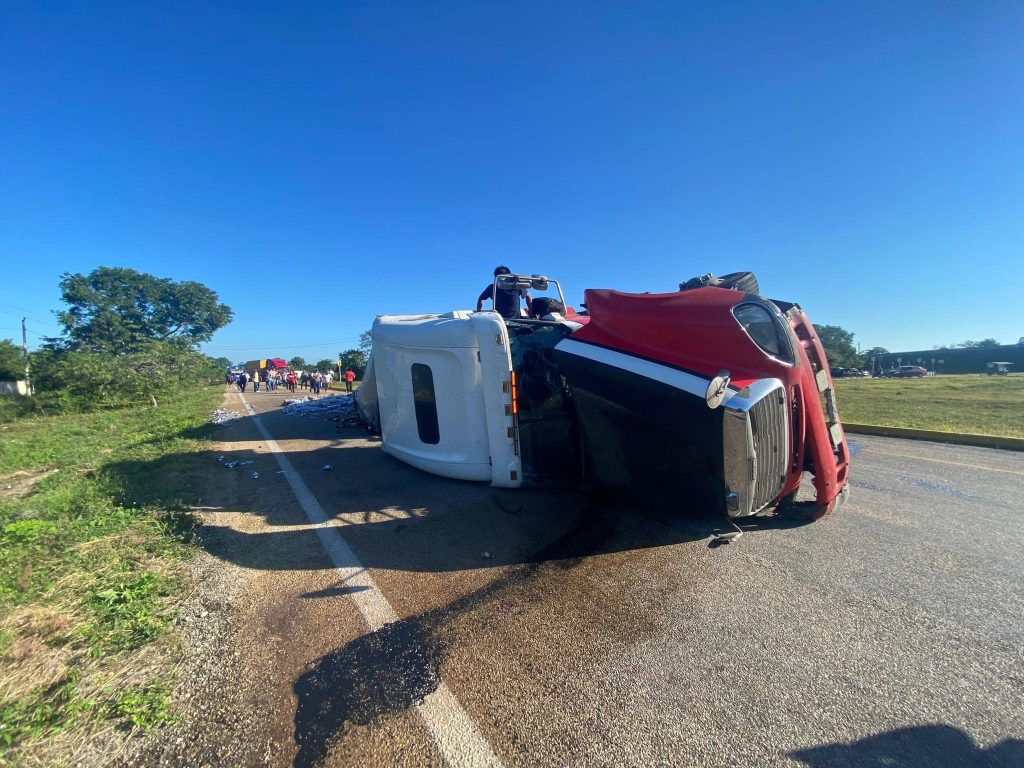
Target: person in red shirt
x=350 y=376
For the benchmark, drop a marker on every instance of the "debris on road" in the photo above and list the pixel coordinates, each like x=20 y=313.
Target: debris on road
x=326 y=468
x=255 y=475
x=233 y=464
x=331 y=405
x=224 y=416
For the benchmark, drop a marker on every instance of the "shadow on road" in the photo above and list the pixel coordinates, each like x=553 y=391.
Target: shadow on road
x=395 y=518
x=925 y=746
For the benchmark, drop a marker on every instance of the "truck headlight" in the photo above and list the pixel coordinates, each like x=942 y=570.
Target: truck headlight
x=765 y=330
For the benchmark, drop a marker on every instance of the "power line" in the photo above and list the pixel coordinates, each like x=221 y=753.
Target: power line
x=22 y=310
x=34 y=320
x=262 y=344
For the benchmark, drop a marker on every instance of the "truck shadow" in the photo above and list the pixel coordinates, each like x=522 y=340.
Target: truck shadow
x=397 y=666
x=936 y=746
x=396 y=518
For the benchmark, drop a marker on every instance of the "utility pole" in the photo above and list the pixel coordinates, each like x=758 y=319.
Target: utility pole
x=24 y=352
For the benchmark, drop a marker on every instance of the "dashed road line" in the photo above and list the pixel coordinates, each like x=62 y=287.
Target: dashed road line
x=453 y=730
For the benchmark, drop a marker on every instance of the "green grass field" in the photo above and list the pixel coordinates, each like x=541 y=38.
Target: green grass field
x=94 y=536
x=979 y=404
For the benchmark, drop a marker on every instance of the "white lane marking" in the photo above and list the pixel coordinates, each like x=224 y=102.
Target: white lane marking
x=454 y=732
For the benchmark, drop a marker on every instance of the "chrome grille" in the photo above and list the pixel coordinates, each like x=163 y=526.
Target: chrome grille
x=771 y=446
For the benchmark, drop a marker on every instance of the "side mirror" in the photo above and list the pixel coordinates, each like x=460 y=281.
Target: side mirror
x=716 y=390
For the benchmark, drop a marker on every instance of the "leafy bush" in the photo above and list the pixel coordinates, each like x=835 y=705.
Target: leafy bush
x=127 y=614
x=68 y=380
x=145 y=706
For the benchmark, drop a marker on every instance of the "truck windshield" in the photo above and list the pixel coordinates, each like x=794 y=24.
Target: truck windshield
x=545 y=409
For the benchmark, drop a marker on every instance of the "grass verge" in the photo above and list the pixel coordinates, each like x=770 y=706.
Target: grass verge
x=95 y=531
x=978 y=404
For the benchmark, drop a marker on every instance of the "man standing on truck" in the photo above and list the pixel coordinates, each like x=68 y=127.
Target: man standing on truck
x=506 y=300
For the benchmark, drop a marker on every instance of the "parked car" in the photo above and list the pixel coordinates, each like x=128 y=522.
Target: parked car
x=906 y=372
x=849 y=373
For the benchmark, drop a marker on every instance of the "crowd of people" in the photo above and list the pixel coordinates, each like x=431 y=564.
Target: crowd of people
x=270 y=379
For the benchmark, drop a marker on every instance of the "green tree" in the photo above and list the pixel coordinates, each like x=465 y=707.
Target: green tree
x=297 y=363
x=12 y=364
x=984 y=343
x=354 y=359
x=220 y=363
x=839 y=347
x=326 y=364
x=119 y=310
x=366 y=342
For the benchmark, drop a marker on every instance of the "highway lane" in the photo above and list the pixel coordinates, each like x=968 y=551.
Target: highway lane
x=575 y=635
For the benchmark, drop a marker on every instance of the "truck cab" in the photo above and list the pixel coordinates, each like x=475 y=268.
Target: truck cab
x=473 y=396
x=707 y=397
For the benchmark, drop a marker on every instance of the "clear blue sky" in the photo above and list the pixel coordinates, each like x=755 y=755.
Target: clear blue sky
x=320 y=164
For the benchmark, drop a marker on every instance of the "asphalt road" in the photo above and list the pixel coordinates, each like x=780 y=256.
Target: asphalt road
x=888 y=634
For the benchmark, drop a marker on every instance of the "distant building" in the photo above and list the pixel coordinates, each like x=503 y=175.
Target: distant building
x=958 y=360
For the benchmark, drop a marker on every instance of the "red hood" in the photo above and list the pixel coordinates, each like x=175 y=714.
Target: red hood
x=686 y=329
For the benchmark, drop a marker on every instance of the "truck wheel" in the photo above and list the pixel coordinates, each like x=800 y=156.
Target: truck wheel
x=740 y=281
x=737 y=281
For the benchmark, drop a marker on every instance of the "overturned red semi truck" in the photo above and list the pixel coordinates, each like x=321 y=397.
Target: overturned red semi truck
x=711 y=397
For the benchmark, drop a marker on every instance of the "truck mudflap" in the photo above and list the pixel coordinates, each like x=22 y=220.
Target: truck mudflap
x=825 y=447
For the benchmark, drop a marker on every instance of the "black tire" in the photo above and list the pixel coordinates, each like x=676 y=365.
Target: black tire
x=740 y=281
x=701 y=281
x=737 y=281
